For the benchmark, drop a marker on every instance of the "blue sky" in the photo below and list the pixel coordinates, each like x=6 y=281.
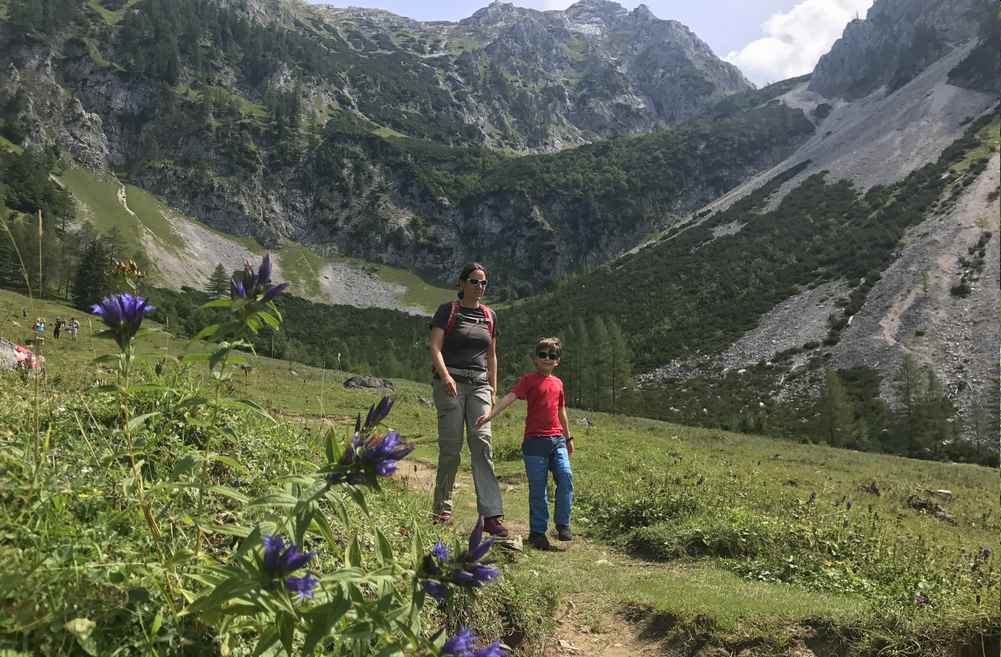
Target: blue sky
x=769 y=40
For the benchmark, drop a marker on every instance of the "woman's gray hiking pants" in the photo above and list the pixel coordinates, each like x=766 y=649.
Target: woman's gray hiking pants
x=454 y=415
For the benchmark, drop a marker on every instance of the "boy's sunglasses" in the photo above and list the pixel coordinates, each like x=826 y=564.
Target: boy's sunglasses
x=551 y=355
x=477 y=282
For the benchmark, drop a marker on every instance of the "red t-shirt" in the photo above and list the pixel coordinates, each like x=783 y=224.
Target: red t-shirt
x=545 y=399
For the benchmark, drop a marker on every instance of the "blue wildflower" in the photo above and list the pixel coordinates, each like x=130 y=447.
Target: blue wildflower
x=435 y=589
x=378 y=412
x=303 y=587
x=248 y=284
x=123 y=314
x=440 y=551
x=281 y=560
x=460 y=644
x=383 y=453
x=463 y=644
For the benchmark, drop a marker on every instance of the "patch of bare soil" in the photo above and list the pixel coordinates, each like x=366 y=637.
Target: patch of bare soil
x=600 y=634
x=584 y=627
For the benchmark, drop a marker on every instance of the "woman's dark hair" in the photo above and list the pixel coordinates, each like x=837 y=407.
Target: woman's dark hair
x=467 y=270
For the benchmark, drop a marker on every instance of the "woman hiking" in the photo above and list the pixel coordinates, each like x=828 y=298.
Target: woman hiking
x=464 y=358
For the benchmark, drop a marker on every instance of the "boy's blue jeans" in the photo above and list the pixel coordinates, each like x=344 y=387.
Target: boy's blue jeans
x=543 y=454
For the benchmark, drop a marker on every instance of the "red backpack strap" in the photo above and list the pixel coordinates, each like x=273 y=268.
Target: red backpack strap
x=490 y=318
x=453 y=312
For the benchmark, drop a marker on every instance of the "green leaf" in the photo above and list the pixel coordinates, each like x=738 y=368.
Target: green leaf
x=216 y=303
x=157 y=623
x=274 y=499
x=184 y=466
x=225 y=460
x=225 y=530
x=207 y=332
x=353 y=556
x=268 y=639
x=140 y=420
x=108 y=358
x=385 y=549
x=231 y=493
x=322 y=620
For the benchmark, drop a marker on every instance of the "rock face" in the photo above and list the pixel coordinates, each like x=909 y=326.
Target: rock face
x=898 y=39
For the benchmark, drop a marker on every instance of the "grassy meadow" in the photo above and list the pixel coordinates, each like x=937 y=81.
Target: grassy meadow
x=709 y=540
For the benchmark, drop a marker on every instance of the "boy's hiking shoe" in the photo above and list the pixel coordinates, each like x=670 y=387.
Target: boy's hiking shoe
x=442 y=518
x=563 y=533
x=494 y=527
x=540 y=542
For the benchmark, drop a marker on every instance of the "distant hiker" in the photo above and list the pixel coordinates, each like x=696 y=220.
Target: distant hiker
x=39 y=328
x=464 y=360
x=548 y=444
x=57 y=328
x=24 y=313
x=74 y=327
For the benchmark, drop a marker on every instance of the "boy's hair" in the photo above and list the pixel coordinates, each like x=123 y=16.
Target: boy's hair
x=548 y=343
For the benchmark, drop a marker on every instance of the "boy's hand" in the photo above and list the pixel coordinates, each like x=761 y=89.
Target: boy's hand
x=569 y=448
x=483 y=419
x=451 y=389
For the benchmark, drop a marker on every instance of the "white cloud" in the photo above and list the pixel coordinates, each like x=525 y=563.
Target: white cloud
x=796 y=39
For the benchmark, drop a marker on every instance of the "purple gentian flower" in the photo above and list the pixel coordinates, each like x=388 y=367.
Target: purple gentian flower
x=436 y=590
x=921 y=599
x=461 y=644
x=378 y=412
x=478 y=548
x=383 y=452
x=440 y=551
x=123 y=314
x=281 y=560
x=255 y=285
x=303 y=587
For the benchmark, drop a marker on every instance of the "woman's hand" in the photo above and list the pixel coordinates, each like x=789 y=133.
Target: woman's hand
x=450 y=387
x=569 y=444
x=483 y=419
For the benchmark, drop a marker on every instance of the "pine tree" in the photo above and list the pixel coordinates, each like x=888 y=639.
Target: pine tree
x=93 y=275
x=620 y=366
x=218 y=284
x=582 y=364
x=934 y=414
x=599 y=360
x=908 y=384
x=837 y=414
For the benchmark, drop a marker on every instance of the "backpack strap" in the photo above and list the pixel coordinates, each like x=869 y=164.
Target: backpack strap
x=453 y=313
x=490 y=318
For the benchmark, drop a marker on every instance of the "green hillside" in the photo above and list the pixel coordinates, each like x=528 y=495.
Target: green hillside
x=707 y=539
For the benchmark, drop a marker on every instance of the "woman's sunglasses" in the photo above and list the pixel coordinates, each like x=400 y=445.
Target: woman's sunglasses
x=551 y=355
x=477 y=282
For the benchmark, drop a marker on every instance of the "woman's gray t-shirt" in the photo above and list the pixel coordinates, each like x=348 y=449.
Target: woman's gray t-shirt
x=468 y=344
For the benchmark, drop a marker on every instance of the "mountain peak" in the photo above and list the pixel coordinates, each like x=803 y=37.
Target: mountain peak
x=602 y=8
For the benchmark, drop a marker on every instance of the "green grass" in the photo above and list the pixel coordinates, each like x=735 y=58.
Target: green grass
x=301 y=266
x=248 y=109
x=419 y=292
x=623 y=461
x=110 y=17
x=98 y=194
x=7 y=145
x=990 y=141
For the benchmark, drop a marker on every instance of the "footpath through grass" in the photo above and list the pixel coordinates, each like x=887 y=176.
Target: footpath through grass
x=713 y=539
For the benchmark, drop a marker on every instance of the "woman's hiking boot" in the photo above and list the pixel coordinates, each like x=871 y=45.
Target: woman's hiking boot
x=563 y=533
x=442 y=518
x=494 y=527
x=540 y=542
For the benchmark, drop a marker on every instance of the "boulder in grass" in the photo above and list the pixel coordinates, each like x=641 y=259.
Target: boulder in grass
x=356 y=382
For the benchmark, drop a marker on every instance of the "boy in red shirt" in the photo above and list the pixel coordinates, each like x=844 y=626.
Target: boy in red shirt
x=548 y=444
